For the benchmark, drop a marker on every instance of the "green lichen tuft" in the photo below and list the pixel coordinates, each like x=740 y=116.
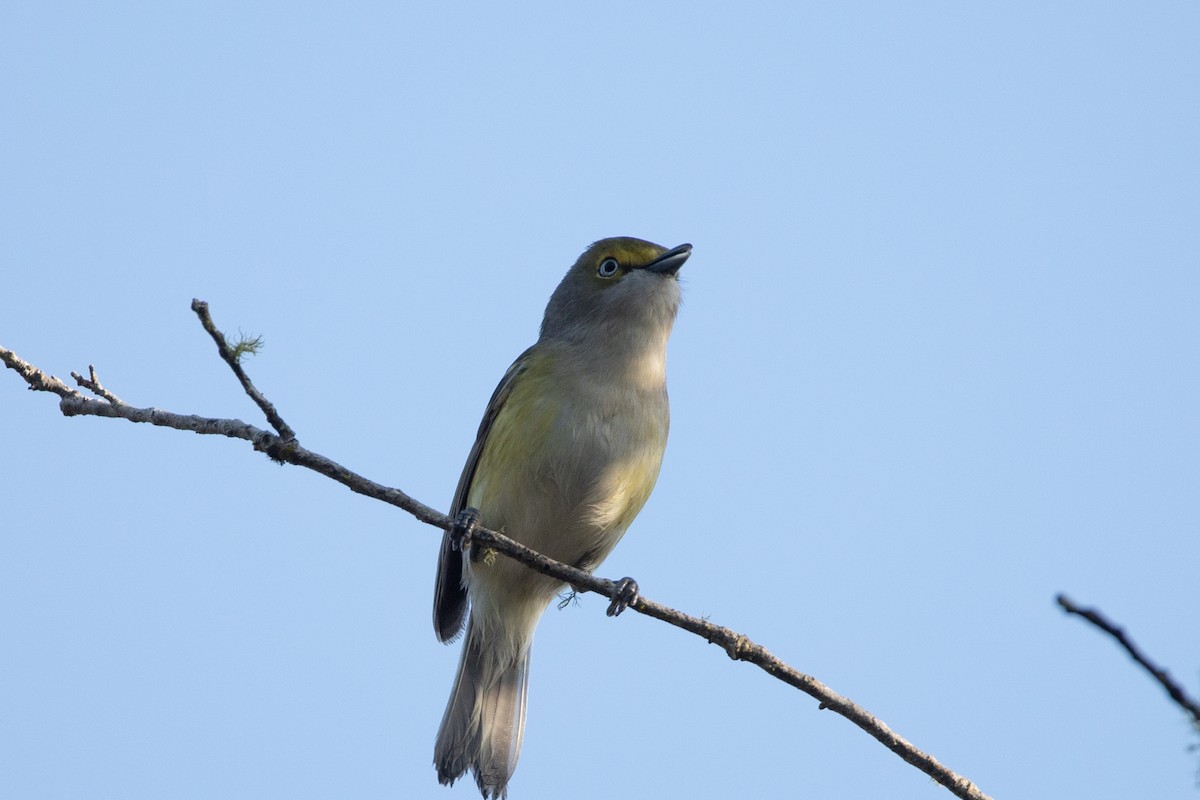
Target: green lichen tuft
x=246 y=345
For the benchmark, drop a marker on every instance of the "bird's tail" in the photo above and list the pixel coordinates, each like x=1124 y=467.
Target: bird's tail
x=485 y=718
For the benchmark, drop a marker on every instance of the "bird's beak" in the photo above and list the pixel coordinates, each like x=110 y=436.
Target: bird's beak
x=670 y=262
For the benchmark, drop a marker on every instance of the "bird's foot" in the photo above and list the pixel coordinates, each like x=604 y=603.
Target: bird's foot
x=625 y=594
x=463 y=529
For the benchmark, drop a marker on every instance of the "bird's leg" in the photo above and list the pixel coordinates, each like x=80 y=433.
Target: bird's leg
x=464 y=526
x=625 y=594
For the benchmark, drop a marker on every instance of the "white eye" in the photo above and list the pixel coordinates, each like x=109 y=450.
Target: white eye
x=608 y=267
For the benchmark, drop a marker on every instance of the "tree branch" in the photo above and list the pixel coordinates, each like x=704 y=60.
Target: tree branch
x=1173 y=689
x=282 y=446
x=233 y=357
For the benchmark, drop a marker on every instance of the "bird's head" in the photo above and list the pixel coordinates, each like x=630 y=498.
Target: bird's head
x=618 y=287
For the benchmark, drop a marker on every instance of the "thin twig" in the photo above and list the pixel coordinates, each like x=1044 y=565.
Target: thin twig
x=1173 y=689
x=235 y=364
x=285 y=448
x=93 y=385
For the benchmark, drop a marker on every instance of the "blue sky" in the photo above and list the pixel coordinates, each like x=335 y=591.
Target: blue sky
x=937 y=362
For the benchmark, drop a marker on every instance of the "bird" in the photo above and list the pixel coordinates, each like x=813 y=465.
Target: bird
x=567 y=454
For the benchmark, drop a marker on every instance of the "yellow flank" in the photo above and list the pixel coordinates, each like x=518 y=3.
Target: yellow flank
x=520 y=430
x=624 y=490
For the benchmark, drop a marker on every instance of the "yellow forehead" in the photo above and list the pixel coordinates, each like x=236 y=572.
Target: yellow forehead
x=628 y=251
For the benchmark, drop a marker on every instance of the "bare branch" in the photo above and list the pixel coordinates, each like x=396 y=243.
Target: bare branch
x=1173 y=689
x=233 y=357
x=283 y=447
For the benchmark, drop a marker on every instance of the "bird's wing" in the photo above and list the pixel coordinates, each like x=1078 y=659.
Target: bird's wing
x=450 y=596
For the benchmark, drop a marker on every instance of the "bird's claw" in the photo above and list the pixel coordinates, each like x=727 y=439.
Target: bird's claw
x=463 y=529
x=625 y=594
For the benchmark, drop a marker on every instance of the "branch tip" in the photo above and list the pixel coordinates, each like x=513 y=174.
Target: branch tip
x=1164 y=679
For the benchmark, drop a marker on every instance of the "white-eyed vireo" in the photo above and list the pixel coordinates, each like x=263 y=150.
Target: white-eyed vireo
x=567 y=454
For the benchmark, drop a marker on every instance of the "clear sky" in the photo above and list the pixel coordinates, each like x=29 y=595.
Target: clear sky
x=937 y=361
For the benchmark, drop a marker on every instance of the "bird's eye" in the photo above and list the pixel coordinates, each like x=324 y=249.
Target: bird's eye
x=608 y=267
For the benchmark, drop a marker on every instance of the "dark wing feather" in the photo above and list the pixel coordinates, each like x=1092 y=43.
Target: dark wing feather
x=449 y=595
